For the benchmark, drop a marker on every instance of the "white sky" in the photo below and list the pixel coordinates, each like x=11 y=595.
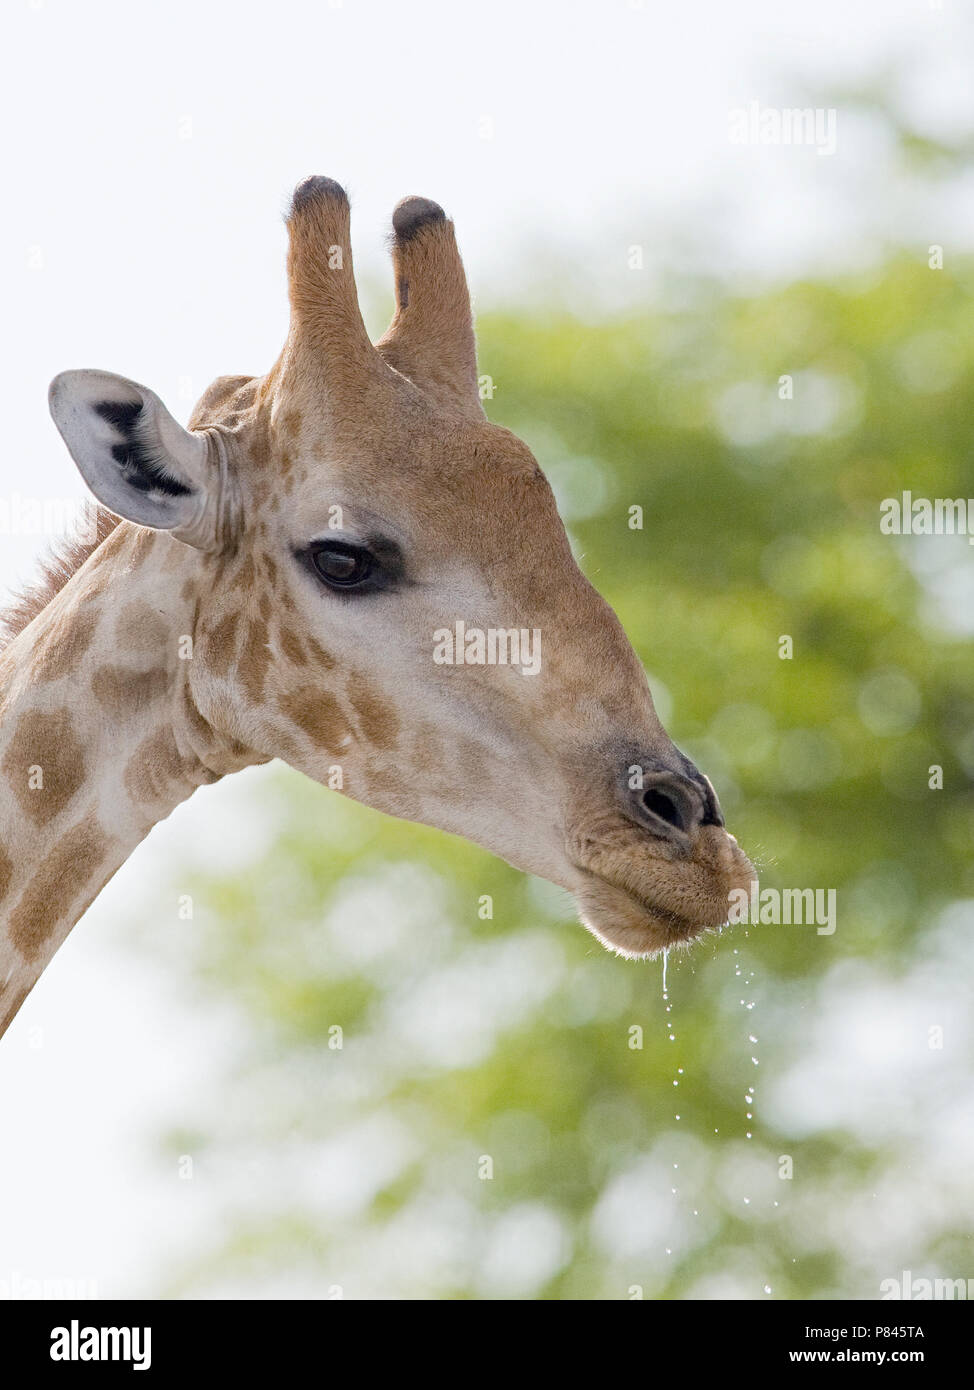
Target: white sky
x=148 y=157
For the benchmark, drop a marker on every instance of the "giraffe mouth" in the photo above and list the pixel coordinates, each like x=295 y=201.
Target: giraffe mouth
x=637 y=920
x=634 y=927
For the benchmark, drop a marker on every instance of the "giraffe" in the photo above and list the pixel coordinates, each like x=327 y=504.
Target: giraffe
x=272 y=581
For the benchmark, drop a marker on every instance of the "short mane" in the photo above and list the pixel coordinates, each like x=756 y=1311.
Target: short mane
x=56 y=569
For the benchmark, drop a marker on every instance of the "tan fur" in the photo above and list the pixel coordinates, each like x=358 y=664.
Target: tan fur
x=45 y=740
x=318 y=715
x=121 y=691
x=6 y=872
x=61 y=648
x=61 y=878
x=139 y=631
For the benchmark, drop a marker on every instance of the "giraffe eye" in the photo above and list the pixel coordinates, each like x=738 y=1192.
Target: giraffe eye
x=342 y=566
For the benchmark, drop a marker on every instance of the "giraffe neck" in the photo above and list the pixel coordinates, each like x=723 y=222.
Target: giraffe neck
x=99 y=740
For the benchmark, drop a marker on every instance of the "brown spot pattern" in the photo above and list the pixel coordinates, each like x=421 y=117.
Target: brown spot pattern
x=201 y=730
x=291 y=647
x=62 y=876
x=220 y=644
x=6 y=872
x=61 y=648
x=154 y=769
x=140 y=629
x=46 y=739
x=319 y=714
x=377 y=718
x=324 y=659
x=122 y=691
x=254 y=660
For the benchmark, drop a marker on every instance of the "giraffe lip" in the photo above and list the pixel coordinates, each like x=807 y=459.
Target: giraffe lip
x=636 y=926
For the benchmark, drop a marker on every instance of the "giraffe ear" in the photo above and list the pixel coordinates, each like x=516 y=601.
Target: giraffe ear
x=138 y=461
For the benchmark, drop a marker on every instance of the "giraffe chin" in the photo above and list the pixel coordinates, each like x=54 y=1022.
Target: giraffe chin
x=638 y=929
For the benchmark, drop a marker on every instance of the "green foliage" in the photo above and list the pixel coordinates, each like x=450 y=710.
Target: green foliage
x=616 y=1166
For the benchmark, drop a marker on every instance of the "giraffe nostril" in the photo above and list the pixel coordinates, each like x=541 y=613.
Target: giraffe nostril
x=663 y=806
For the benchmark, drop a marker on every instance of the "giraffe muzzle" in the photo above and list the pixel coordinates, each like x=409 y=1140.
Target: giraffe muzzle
x=659 y=865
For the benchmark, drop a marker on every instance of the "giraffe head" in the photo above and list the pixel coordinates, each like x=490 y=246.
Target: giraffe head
x=384 y=595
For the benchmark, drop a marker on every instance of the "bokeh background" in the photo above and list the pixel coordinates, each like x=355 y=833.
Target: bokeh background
x=798 y=1121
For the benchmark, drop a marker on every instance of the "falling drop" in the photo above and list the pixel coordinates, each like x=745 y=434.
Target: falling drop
x=666 y=957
